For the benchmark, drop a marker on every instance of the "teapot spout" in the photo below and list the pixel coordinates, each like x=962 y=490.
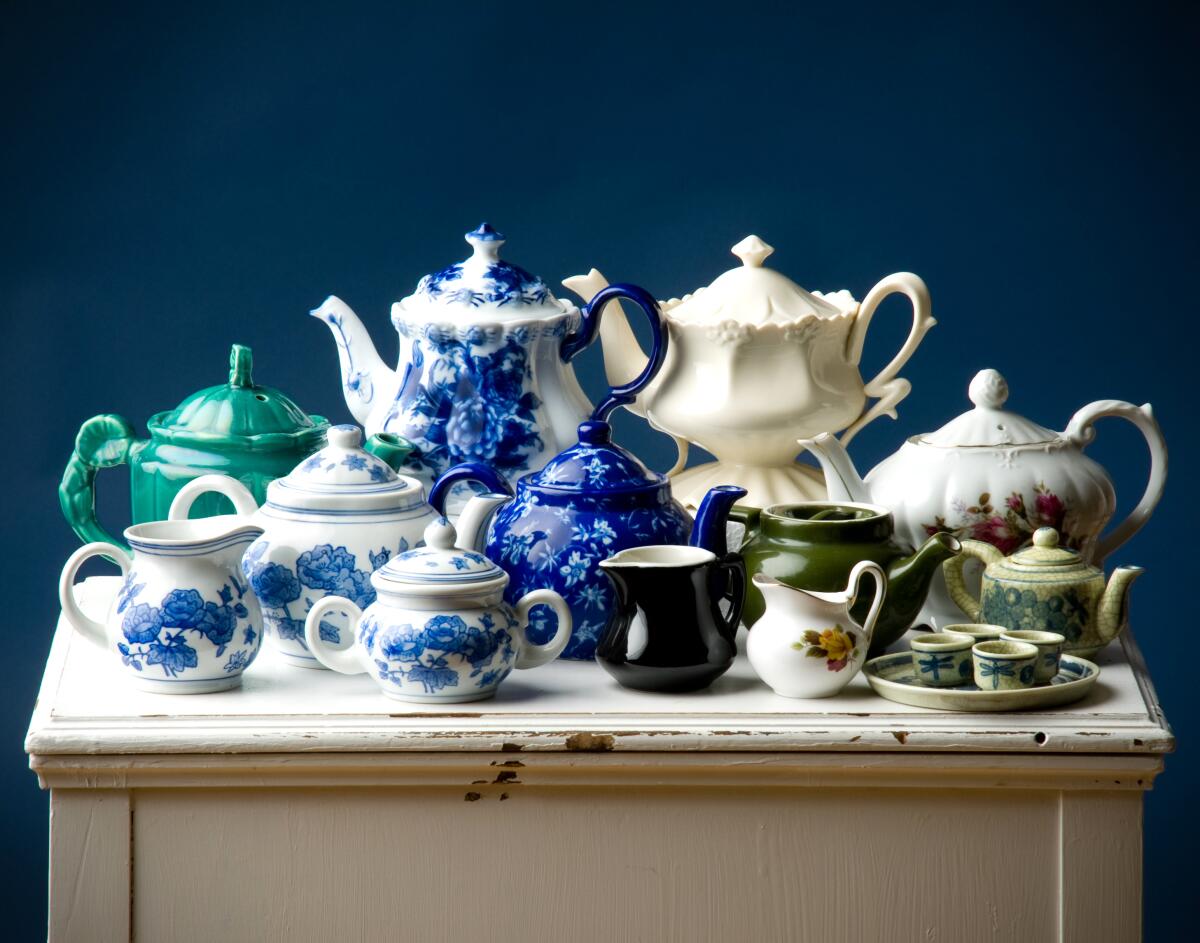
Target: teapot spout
x=908 y=578
x=842 y=480
x=1114 y=604
x=624 y=358
x=366 y=380
x=708 y=531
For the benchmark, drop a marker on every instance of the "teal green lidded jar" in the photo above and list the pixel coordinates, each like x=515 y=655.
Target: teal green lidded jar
x=252 y=433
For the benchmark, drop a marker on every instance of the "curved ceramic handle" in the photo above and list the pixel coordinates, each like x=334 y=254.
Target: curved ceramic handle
x=530 y=655
x=487 y=476
x=82 y=623
x=953 y=570
x=852 y=585
x=1080 y=431
x=884 y=387
x=344 y=660
x=578 y=341
x=735 y=591
x=243 y=501
x=102 y=442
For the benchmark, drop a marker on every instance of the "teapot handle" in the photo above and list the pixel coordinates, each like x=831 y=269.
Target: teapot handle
x=1081 y=431
x=956 y=584
x=243 y=501
x=530 y=655
x=78 y=619
x=103 y=441
x=344 y=660
x=492 y=481
x=573 y=344
x=885 y=388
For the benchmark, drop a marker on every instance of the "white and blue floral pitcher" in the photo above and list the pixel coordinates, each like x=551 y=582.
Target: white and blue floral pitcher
x=485 y=364
x=184 y=621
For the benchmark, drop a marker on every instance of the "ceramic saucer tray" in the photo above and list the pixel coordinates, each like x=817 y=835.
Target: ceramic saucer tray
x=891 y=676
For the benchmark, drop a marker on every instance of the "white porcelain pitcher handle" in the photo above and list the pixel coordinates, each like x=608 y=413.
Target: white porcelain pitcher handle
x=1081 y=431
x=82 y=623
x=243 y=501
x=885 y=388
x=852 y=585
x=530 y=655
x=343 y=660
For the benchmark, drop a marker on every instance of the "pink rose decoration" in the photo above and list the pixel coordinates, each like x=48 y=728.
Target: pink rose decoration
x=1050 y=510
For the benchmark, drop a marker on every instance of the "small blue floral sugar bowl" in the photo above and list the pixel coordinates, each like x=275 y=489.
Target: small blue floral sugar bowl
x=439 y=629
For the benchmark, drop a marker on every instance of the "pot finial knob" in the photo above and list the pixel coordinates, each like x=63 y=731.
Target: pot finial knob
x=752 y=251
x=486 y=242
x=989 y=390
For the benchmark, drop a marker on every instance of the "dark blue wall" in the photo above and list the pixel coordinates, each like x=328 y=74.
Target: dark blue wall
x=175 y=180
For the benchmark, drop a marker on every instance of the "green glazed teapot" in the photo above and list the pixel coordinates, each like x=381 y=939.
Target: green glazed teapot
x=1045 y=587
x=252 y=433
x=814 y=546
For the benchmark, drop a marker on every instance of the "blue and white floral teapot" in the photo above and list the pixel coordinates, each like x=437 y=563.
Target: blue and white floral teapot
x=485 y=364
x=588 y=502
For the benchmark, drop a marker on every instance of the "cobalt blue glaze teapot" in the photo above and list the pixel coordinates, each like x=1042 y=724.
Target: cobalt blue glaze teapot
x=484 y=372
x=587 y=503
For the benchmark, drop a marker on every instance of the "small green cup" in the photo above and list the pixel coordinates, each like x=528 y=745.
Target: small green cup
x=1049 y=646
x=942 y=659
x=1004 y=666
x=980 y=631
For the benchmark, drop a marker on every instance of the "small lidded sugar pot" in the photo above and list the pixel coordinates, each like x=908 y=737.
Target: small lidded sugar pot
x=1045 y=588
x=340 y=515
x=439 y=629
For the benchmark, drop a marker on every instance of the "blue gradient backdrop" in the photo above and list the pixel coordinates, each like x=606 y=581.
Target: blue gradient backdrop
x=177 y=178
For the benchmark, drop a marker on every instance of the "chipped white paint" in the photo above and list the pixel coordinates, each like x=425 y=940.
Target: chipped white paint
x=584 y=806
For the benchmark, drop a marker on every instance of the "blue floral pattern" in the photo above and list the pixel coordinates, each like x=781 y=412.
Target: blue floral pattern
x=446 y=652
x=1066 y=613
x=157 y=635
x=323 y=570
x=559 y=547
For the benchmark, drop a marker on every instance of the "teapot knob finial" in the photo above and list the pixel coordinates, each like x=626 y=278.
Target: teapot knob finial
x=486 y=241
x=989 y=390
x=1046 y=537
x=752 y=251
x=344 y=436
x=440 y=534
x=241 y=363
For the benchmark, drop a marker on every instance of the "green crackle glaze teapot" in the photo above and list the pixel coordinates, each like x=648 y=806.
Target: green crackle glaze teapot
x=252 y=433
x=1045 y=587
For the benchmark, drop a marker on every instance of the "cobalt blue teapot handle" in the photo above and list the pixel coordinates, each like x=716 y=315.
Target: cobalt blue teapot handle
x=577 y=341
x=487 y=476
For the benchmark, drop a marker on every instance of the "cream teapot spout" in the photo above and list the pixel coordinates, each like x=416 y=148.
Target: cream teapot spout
x=367 y=382
x=624 y=358
x=841 y=477
x=1114 y=604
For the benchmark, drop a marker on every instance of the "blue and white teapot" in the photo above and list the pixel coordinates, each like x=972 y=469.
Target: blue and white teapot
x=485 y=364
x=589 y=502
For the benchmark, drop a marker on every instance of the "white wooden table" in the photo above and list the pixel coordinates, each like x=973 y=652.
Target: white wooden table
x=306 y=806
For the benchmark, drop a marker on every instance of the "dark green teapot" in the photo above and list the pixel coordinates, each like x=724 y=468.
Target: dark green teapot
x=252 y=433
x=815 y=544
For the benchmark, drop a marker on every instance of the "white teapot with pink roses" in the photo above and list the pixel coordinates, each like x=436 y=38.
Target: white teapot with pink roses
x=995 y=476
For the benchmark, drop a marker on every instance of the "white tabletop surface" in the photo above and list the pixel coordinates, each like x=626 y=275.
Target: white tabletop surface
x=86 y=706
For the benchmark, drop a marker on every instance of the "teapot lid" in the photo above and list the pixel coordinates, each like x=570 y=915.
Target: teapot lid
x=754 y=294
x=1045 y=552
x=439 y=566
x=988 y=424
x=485 y=283
x=594 y=465
x=241 y=413
x=345 y=477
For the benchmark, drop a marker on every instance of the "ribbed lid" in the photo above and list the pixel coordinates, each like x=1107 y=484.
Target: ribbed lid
x=345 y=477
x=484 y=283
x=754 y=294
x=439 y=565
x=988 y=424
x=1045 y=552
x=241 y=412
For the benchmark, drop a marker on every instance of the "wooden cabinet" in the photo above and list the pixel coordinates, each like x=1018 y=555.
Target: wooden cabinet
x=306 y=806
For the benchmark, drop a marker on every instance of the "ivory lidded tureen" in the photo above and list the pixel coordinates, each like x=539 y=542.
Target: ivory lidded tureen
x=754 y=363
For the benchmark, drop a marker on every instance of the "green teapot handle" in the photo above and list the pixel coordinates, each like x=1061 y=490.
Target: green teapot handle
x=102 y=442
x=750 y=518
